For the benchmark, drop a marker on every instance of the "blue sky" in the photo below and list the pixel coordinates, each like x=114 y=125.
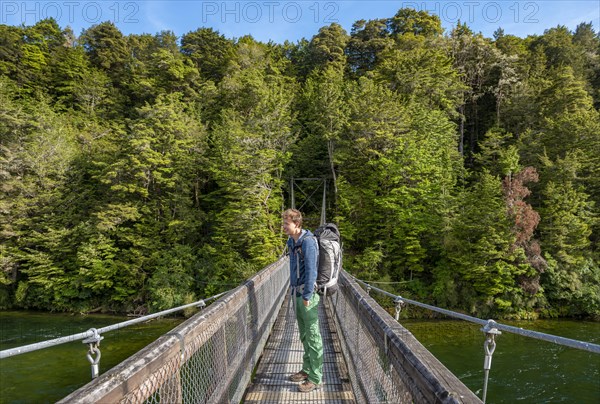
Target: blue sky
x=279 y=20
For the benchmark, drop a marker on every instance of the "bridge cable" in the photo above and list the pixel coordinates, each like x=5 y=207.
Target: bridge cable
x=92 y=337
x=490 y=328
x=572 y=343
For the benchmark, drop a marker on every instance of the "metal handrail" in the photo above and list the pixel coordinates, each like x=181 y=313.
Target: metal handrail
x=572 y=343
x=7 y=353
x=207 y=358
x=386 y=363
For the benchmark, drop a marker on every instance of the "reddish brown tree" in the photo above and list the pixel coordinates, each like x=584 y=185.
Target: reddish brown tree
x=525 y=222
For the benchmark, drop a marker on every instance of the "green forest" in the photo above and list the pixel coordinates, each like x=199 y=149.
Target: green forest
x=141 y=172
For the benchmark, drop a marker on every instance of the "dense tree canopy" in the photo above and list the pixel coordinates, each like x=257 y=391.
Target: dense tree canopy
x=145 y=171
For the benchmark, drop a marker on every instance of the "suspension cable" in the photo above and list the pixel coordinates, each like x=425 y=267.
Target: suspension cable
x=572 y=343
x=390 y=283
x=93 y=334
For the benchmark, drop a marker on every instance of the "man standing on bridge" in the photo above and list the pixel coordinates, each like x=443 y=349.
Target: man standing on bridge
x=304 y=258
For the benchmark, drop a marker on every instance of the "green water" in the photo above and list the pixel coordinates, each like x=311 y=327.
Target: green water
x=523 y=369
x=50 y=374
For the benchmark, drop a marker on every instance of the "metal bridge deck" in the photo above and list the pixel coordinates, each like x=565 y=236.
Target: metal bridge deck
x=282 y=356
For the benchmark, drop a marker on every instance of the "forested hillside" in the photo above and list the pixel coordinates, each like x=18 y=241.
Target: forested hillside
x=142 y=172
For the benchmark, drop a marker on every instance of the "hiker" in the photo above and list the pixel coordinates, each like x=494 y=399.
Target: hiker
x=304 y=256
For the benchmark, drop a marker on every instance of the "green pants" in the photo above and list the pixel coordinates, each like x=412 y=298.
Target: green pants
x=310 y=336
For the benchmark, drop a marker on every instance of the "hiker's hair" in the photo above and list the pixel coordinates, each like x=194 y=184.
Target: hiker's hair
x=294 y=215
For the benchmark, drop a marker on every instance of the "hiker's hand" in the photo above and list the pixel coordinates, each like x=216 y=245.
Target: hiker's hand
x=306 y=302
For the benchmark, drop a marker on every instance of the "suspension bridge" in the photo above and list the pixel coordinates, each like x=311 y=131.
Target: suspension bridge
x=244 y=345
x=211 y=357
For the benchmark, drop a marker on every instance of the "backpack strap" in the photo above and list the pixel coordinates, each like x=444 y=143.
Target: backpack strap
x=300 y=254
x=298 y=248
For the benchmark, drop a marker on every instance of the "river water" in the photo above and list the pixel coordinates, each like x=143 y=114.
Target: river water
x=50 y=374
x=523 y=369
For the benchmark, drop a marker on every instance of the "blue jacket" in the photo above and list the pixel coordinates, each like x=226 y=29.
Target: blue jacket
x=308 y=260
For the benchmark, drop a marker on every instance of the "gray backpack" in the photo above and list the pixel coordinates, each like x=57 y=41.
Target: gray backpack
x=330 y=258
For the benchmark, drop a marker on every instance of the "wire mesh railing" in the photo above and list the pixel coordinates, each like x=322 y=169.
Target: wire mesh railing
x=385 y=361
x=490 y=329
x=207 y=359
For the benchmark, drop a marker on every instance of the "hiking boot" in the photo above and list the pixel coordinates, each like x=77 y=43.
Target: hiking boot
x=299 y=377
x=308 y=386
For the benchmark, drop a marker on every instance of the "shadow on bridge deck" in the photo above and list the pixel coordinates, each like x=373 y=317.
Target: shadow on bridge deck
x=282 y=356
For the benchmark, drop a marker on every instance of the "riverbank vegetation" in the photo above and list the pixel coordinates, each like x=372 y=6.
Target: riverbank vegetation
x=141 y=172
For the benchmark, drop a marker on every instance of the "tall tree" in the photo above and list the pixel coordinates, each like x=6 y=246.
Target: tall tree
x=35 y=158
x=589 y=41
x=525 y=220
x=250 y=146
x=397 y=165
x=419 y=69
x=69 y=68
x=557 y=44
x=147 y=209
x=479 y=252
x=210 y=51
x=368 y=39
x=567 y=122
x=160 y=68
x=409 y=20
x=29 y=55
x=327 y=48
x=11 y=40
x=106 y=47
x=572 y=281
x=473 y=57
x=108 y=52
x=324 y=114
